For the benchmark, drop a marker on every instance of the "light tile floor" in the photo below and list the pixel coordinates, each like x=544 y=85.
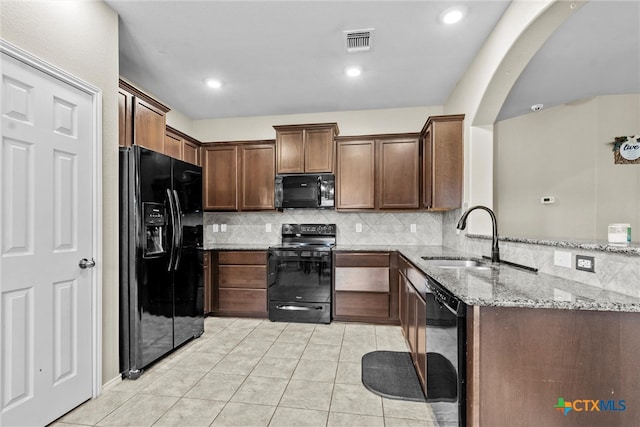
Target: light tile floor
x=253 y=372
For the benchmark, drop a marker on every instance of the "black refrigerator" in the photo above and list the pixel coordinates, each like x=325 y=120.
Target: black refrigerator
x=161 y=275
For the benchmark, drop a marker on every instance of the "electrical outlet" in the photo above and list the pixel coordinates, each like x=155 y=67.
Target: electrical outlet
x=413 y=228
x=223 y=228
x=358 y=227
x=267 y=227
x=214 y=228
x=585 y=263
x=562 y=259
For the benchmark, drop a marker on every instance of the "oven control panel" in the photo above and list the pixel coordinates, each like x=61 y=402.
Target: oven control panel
x=309 y=229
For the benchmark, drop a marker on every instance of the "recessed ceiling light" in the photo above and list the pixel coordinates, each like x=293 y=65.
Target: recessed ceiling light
x=353 y=71
x=453 y=15
x=213 y=83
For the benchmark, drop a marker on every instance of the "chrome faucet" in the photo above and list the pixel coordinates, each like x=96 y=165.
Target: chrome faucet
x=462 y=223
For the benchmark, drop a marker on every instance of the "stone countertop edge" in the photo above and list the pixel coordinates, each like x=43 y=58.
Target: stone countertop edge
x=499 y=286
x=632 y=250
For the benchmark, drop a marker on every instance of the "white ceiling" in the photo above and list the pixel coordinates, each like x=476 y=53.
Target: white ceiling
x=286 y=57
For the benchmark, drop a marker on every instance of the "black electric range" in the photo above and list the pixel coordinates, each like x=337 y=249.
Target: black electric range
x=299 y=281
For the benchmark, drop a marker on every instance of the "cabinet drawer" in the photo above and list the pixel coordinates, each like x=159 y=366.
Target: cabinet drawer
x=369 y=259
x=242 y=276
x=243 y=257
x=362 y=279
x=242 y=300
x=362 y=304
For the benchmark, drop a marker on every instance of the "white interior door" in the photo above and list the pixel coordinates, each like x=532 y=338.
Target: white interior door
x=46 y=173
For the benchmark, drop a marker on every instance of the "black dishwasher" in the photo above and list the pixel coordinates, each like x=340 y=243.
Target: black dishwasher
x=446 y=355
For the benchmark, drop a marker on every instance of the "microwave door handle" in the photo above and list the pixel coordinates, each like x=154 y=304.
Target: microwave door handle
x=319 y=191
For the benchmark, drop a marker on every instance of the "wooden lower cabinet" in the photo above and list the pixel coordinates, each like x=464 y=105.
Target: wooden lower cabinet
x=206 y=270
x=239 y=287
x=362 y=290
x=531 y=358
x=413 y=315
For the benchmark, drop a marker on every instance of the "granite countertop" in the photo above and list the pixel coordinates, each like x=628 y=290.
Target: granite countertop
x=499 y=286
x=505 y=286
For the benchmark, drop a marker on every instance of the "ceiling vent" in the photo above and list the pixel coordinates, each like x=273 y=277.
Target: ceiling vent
x=358 y=40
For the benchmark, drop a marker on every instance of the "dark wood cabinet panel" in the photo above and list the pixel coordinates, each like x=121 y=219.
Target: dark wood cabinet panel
x=148 y=125
x=546 y=354
x=239 y=176
x=257 y=163
x=318 y=150
x=206 y=270
x=173 y=145
x=190 y=151
x=243 y=257
x=125 y=118
x=290 y=150
x=371 y=305
x=362 y=287
x=379 y=172
x=242 y=276
x=181 y=146
x=242 y=301
x=443 y=162
x=362 y=279
x=355 y=175
x=220 y=177
x=305 y=148
x=413 y=316
x=239 y=283
x=361 y=259
x=399 y=173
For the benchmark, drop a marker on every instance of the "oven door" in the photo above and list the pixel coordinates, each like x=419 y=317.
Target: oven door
x=299 y=285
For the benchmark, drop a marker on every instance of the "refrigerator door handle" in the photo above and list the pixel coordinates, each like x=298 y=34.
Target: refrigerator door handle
x=174 y=225
x=180 y=237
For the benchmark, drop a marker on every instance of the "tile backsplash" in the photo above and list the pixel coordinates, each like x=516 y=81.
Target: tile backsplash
x=377 y=228
x=613 y=272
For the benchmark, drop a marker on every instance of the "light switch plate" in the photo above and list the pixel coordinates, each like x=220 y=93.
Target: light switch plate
x=413 y=228
x=267 y=227
x=214 y=228
x=358 y=227
x=223 y=228
x=562 y=259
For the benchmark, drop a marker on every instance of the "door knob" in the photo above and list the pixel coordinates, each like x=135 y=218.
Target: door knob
x=87 y=263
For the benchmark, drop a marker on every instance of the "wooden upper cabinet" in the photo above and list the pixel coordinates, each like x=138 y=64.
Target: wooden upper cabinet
x=290 y=149
x=399 y=173
x=190 y=152
x=355 y=174
x=148 y=125
x=305 y=148
x=239 y=176
x=257 y=164
x=181 y=146
x=378 y=173
x=443 y=162
x=173 y=145
x=220 y=164
x=147 y=118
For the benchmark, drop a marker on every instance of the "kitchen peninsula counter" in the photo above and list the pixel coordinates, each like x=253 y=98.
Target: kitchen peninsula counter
x=506 y=286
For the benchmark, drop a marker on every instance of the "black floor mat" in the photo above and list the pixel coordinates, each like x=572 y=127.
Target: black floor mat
x=391 y=374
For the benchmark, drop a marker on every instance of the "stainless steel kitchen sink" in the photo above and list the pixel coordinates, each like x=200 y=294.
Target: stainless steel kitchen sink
x=471 y=264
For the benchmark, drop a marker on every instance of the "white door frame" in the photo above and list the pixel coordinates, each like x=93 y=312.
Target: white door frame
x=96 y=273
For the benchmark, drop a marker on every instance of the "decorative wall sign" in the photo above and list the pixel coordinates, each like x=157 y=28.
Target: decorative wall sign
x=626 y=149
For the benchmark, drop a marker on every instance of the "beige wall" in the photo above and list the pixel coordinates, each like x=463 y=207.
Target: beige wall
x=396 y=120
x=564 y=152
x=81 y=37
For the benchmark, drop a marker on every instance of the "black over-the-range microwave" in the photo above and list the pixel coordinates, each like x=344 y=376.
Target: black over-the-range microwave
x=305 y=191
